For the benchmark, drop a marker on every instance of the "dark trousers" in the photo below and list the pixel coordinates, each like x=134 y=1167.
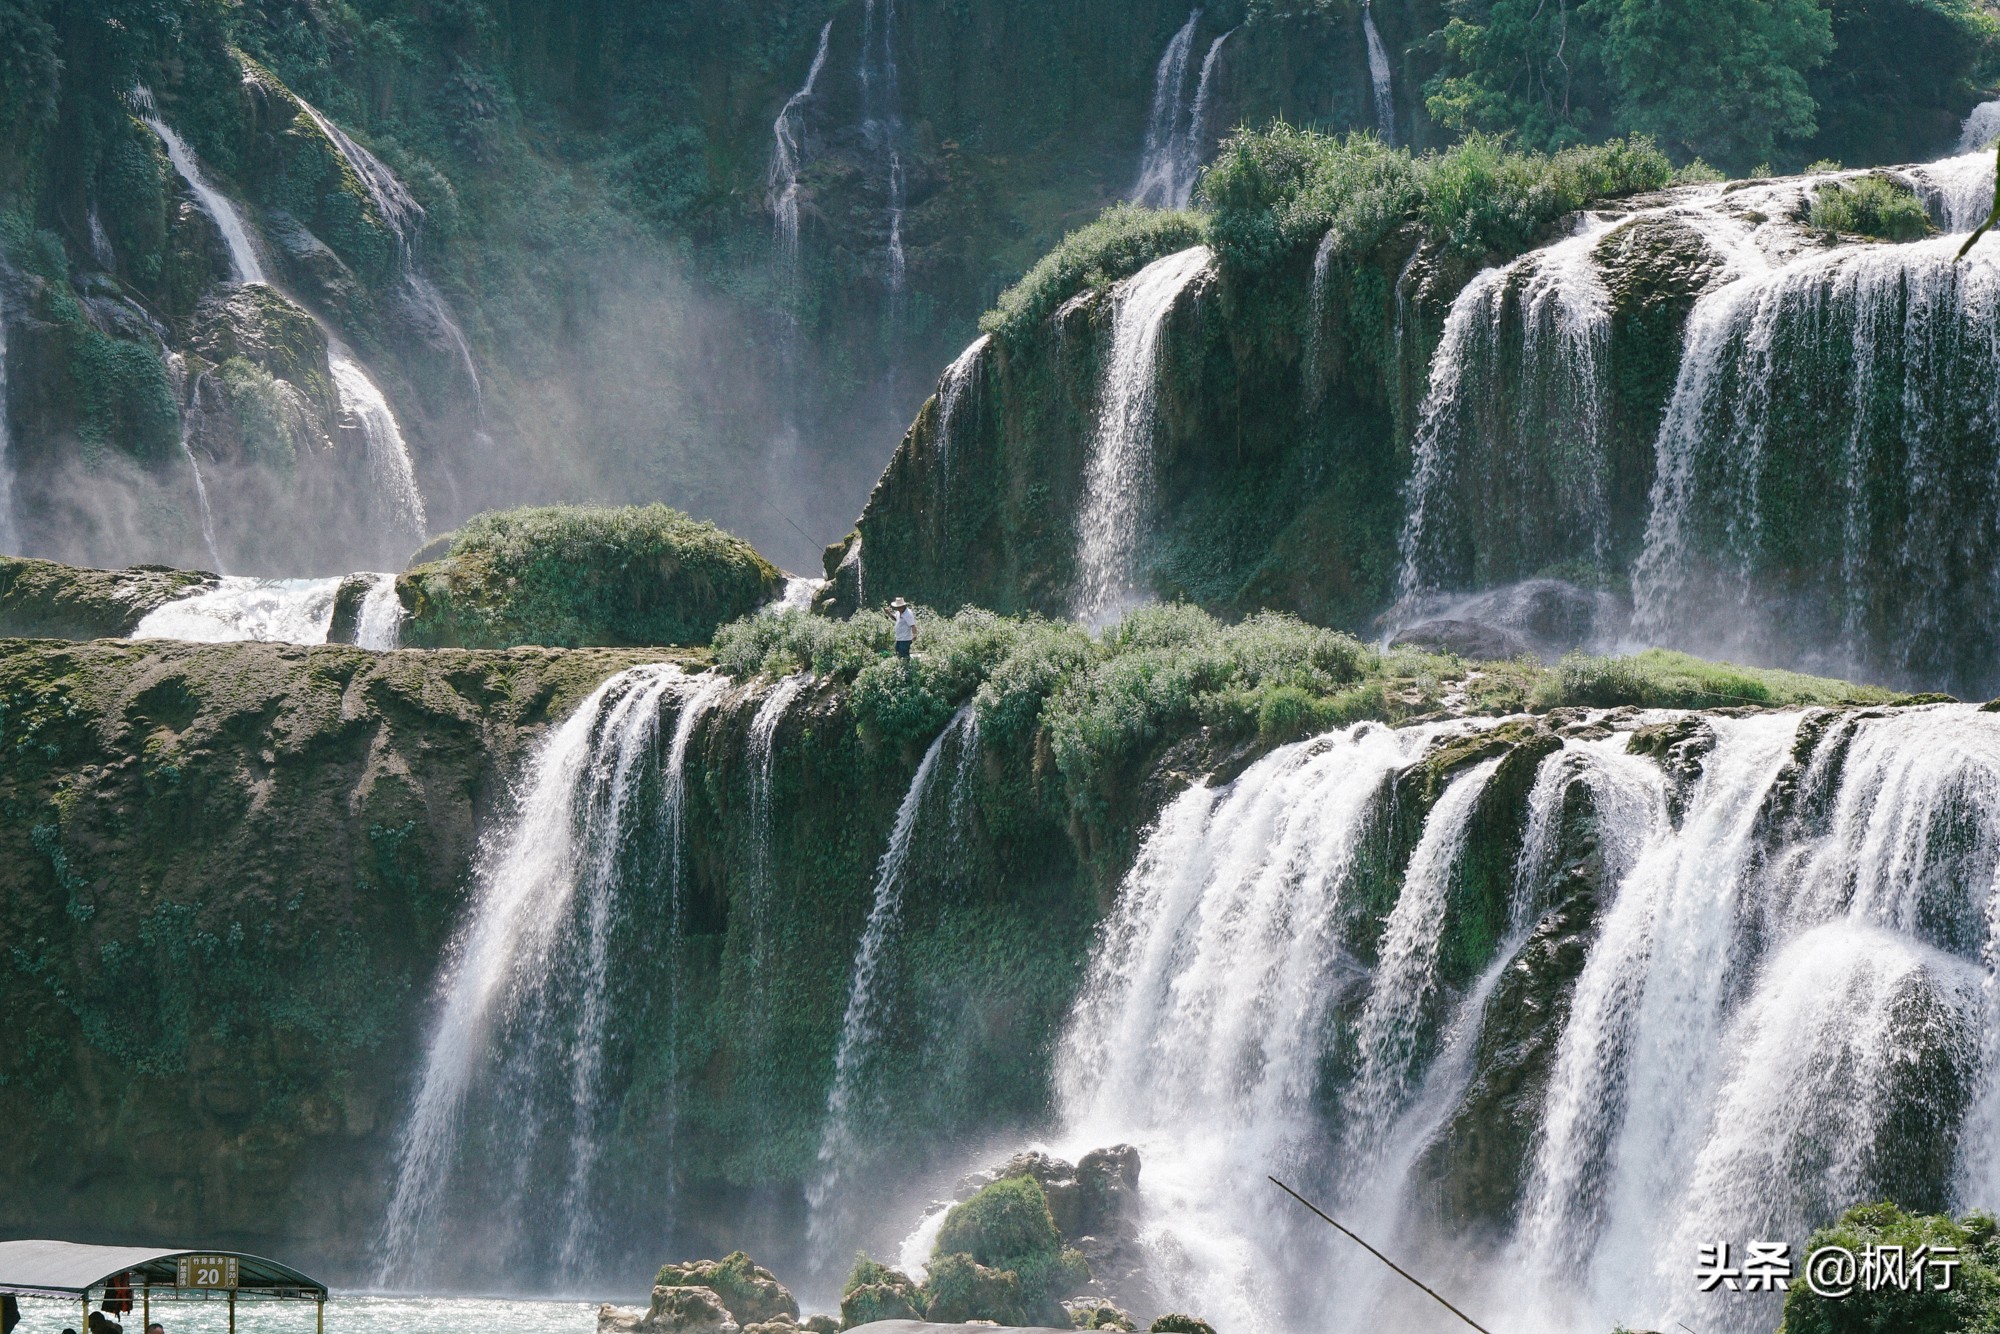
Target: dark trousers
x=902 y=648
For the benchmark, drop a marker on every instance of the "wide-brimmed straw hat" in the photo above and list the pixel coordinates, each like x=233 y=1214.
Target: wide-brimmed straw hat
x=898 y=605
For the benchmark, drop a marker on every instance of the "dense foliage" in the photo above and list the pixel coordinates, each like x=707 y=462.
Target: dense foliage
x=1971 y=1304
x=1279 y=190
x=1871 y=206
x=569 y=575
x=1739 y=82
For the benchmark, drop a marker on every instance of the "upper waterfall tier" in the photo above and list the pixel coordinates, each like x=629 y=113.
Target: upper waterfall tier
x=1760 y=414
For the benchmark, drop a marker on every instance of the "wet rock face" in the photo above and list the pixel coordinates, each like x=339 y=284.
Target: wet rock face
x=1467 y=639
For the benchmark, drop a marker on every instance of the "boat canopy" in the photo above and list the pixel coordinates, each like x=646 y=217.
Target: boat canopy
x=70 y=1269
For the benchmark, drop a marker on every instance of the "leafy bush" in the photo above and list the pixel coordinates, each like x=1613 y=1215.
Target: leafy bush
x=1973 y=1303
x=1278 y=191
x=1871 y=206
x=1120 y=243
x=571 y=575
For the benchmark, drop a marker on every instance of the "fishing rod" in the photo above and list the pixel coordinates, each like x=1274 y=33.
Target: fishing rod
x=1406 y=1274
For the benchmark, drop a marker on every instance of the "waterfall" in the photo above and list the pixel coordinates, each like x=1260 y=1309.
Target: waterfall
x=1841 y=405
x=1160 y=163
x=512 y=1088
x=389 y=467
x=1313 y=362
x=882 y=122
x=380 y=624
x=1980 y=129
x=1529 y=430
x=1200 y=116
x=1196 y=1036
x=281 y=611
x=361 y=400
x=788 y=158
x=796 y=594
x=190 y=409
x=1405 y=979
x=1780 y=1006
x=244 y=265
x=404 y=217
x=1179 y=128
x=1380 y=75
x=958 y=386
x=1118 y=478
x=840 y=1138
x=10 y=533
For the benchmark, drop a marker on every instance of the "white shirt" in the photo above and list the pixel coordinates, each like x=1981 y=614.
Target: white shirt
x=906 y=626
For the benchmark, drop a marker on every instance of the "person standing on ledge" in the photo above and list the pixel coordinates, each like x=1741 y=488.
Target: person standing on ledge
x=906 y=627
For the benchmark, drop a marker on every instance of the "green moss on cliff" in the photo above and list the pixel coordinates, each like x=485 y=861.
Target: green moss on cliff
x=1120 y=243
x=572 y=575
x=40 y=599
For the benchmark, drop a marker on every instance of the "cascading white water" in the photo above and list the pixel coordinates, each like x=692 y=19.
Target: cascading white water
x=10 y=532
x=389 y=466
x=1160 y=163
x=788 y=159
x=189 y=395
x=1313 y=362
x=1201 y=115
x=244 y=264
x=1197 y=1034
x=379 y=625
x=522 y=1004
x=283 y=611
x=1531 y=431
x=956 y=388
x=882 y=124
x=405 y=217
x=1380 y=74
x=1405 y=977
x=840 y=1135
x=1980 y=129
x=796 y=594
x=1118 y=479
x=1908 y=413
x=1784 y=1008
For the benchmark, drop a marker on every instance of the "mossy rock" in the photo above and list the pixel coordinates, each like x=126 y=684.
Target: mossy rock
x=1008 y=1227
x=575 y=575
x=259 y=324
x=1181 y=1324
x=876 y=1292
x=751 y=1292
x=962 y=1289
x=41 y=599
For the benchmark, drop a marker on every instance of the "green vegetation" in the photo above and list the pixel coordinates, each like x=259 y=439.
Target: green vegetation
x=1005 y=1227
x=1972 y=1304
x=1101 y=708
x=1740 y=82
x=572 y=575
x=1122 y=241
x=1277 y=191
x=1871 y=206
x=1663 y=679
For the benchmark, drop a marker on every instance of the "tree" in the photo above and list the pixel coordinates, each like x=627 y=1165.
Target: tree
x=1721 y=79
